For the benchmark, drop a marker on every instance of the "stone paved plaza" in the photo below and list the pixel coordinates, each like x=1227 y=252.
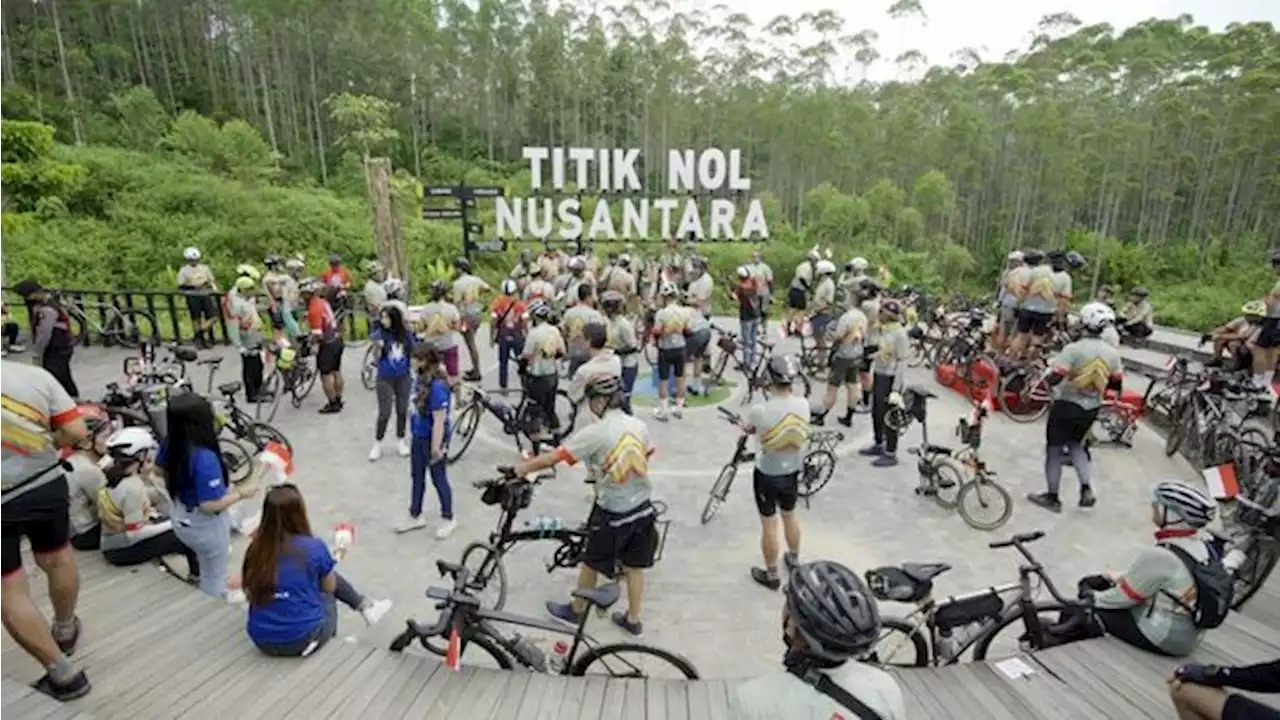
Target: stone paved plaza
x=701 y=601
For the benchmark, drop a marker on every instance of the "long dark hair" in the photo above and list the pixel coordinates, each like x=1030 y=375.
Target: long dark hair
x=190 y=421
x=427 y=361
x=284 y=516
x=398 y=332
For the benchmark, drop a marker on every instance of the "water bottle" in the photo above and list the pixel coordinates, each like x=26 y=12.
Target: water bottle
x=559 y=658
x=528 y=653
x=952 y=645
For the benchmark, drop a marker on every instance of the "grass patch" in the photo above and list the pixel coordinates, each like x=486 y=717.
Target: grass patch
x=646 y=395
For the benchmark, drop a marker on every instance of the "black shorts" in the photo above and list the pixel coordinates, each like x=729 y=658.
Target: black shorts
x=1239 y=707
x=1036 y=323
x=774 y=492
x=621 y=540
x=329 y=357
x=1068 y=422
x=820 y=323
x=697 y=343
x=1269 y=334
x=40 y=515
x=796 y=299
x=202 y=306
x=844 y=371
x=671 y=361
x=277 y=316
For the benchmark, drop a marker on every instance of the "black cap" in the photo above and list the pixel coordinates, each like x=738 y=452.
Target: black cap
x=27 y=288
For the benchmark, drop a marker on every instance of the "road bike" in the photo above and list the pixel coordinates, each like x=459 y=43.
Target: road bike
x=1205 y=428
x=939 y=632
x=293 y=373
x=523 y=422
x=724 y=481
x=464 y=619
x=127 y=327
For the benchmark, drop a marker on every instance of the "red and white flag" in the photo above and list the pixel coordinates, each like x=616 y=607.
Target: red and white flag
x=453 y=656
x=1222 y=481
x=278 y=459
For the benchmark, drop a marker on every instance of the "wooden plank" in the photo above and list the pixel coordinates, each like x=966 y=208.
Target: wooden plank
x=548 y=703
x=374 y=674
x=441 y=702
x=916 y=687
x=571 y=697
x=409 y=694
x=655 y=700
x=238 y=684
x=1043 y=693
x=512 y=696
x=1083 y=679
x=982 y=701
x=592 y=698
x=635 y=702
x=539 y=687
x=156 y=695
x=305 y=674
x=677 y=699
x=718 y=694
x=1131 y=674
x=200 y=670
x=486 y=692
x=615 y=698
x=414 y=672
x=317 y=702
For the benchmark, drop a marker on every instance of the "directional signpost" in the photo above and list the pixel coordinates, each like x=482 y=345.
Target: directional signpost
x=465 y=196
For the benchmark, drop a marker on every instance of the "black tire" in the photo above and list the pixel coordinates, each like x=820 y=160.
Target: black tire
x=304 y=379
x=1049 y=613
x=1179 y=419
x=369 y=371
x=946 y=497
x=236 y=458
x=261 y=433
x=815 y=472
x=601 y=654
x=987 y=494
x=719 y=491
x=1259 y=562
x=463 y=432
x=488 y=645
x=131 y=327
x=716 y=374
x=1023 y=411
x=915 y=644
x=651 y=354
x=488 y=573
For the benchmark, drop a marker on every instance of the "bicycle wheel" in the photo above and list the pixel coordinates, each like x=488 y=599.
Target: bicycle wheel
x=268 y=397
x=1179 y=420
x=260 y=433
x=984 y=504
x=236 y=459
x=1026 y=404
x=919 y=353
x=947 y=477
x=488 y=575
x=567 y=411
x=463 y=432
x=369 y=368
x=304 y=378
x=130 y=328
x=1048 y=613
x=900 y=645
x=816 y=472
x=475 y=649
x=657 y=663
x=1260 y=561
x=719 y=491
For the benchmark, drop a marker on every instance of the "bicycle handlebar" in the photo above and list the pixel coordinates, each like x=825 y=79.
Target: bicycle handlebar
x=730 y=415
x=1018 y=539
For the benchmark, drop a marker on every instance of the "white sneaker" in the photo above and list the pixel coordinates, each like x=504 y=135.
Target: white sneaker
x=403 y=449
x=446 y=529
x=677 y=412
x=413 y=523
x=376 y=453
x=376 y=611
x=660 y=414
x=235 y=597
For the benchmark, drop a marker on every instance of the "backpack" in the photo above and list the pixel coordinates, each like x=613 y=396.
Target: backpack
x=1214 y=588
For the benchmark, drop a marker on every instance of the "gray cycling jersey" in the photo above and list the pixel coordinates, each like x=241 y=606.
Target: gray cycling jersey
x=782 y=424
x=670 y=323
x=892 y=348
x=542 y=346
x=853 y=324
x=622 y=338
x=1148 y=589
x=1088 y=365
x=1040 y=297
x=871 y=310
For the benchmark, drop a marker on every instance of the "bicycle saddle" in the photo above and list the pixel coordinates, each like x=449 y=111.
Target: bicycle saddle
x=230 y=388
x=603 y=597
x=938 y=449
x=921 y=391
x=185 y=354
x=924 y=572
x=210 y=361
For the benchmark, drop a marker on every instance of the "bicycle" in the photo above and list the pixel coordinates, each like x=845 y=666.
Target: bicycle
x=1207 y=430
x=462 y=618
x=293 y=373
x=724 y=481
x=369 y=368
x=938 y=633
x=523 y=421
x=1259 y=544
x=128 y=327
x=231 y=417
x=1024 y=393
x=1118 y=418
x=345 y=318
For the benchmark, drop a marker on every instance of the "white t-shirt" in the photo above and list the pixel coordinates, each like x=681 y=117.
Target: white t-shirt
x=786 y=697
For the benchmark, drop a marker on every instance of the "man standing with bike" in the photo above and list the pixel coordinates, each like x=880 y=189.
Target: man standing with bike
x=52 y=343
x=328 y=341
x=846 y=360
x=782 y=424
x=888 y=371
x=244 y=329
x=622 y=533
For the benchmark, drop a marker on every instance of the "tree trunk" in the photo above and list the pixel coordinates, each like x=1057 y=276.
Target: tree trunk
x=66 y=77
x=386 y=226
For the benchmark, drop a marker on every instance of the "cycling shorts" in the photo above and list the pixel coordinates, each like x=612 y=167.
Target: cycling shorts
x=774 y=492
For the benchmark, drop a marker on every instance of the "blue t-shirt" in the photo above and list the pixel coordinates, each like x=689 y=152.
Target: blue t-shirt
x=437 y=399
x=204 y=475
x=394 y=362
x=299 y=604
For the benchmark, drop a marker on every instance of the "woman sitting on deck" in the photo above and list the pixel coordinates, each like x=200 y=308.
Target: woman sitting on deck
x=291 y=584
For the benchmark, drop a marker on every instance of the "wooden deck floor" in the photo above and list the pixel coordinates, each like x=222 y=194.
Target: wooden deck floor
x=156 y=648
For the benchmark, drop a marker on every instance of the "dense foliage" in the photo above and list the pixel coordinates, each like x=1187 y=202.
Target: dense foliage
x=239 y=125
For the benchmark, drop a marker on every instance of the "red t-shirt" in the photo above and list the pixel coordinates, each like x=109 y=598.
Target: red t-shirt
x=338 y=278
x=508 y=315
x=320 y=318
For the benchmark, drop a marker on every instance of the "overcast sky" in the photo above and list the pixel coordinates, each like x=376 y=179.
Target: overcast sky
x=997 y=25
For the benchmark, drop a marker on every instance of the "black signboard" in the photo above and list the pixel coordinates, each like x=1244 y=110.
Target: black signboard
x=441 y=213
x=441 y=191
x=489 y=191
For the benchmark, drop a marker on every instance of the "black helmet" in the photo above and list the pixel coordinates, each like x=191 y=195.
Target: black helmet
x=605 y=386
x=782 y=369
x=438 y=290
x=1032 y=257
x=1140 y=291
x=334 y=259
x=832 y=610
x=539 y=309
x=869 y=288
x=1275 y=257
x=462 y=264
x=611 y=300
x=1075 y=260
x=272 y=260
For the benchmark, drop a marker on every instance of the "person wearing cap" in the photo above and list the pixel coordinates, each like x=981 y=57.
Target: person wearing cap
x=507 y=327
x=467 y=291
x=244 y=329
x=1137 y=319
x=601 y=359
x=374 y=293
x=824 y=302
x=746 y=294
x=52 y=343
x=622 y=536
x=198 y=285
x=1007 y=299
x=888 y=370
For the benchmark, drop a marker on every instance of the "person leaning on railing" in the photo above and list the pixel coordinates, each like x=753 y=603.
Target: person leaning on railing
x=197 y=283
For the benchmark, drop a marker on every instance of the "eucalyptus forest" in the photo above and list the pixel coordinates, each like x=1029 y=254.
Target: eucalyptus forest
x=135 y=128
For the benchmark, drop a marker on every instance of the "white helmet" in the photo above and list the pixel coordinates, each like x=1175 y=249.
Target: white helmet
x=1016 y=256
x=814 y=255
x=1189 y=504
x=191 y=253
x=294 y=263
x=668 y=290
x=859 y=263
x=744 y=271
x=577 y=263
x=130 y=442
x=1096 y=316
x=826 y=267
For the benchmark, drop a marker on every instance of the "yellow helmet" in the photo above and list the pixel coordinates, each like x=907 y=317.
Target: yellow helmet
x=244 y=282
x=1254 y=307
x=249 y=271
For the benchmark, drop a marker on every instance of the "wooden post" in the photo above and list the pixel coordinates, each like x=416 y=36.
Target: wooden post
x=386 y=224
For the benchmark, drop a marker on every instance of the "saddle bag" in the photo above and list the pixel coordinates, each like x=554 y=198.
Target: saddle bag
x=893 y=584
x=962 y=612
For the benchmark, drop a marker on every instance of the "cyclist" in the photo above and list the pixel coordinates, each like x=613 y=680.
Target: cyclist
x=327 y=338
x=801 y=286
x=1149 y=606
x=669 y=259
x=577 y=317
x=622 y=534
x=701 y=286
x=618 y=278
x=763 y=274
x=244 y=328
x=869 y=303
x=888 y=371
x=1105 y=295
x=525 y=266
x=440 y=322
x=1063 y=264
x=1230 y=341
x=828 y=621
x=1080 y=376
x=294 y=268
x=698 y=341
x=601 y=360
x=52 y=343
x=1037 y=303
x=538 y=288
x=746 y=294
x=1266 y=346
x=338 y=281
x=85 y=477
x=846 y=360
x=506 y=330
x=275 y=284
x=1007 y=299
x=374 y=293
x=782 y=425
x=670 y=325
x=543 y=347
x=397 y=294
x=1137 y=318
x=622 y=339
x=824 y=302
x=550 y=261
x=196 y=282
x=1197 y=691
x=467 y=290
